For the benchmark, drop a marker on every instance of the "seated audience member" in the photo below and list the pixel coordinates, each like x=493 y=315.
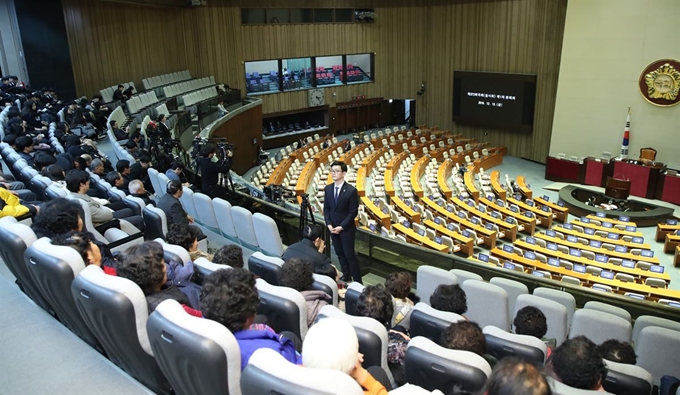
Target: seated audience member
x=230 y=298
x=376 y=302
x=118 y=132
x=140 y=171
x=171 y=206
x=11 y=205
x=123 y=167
x=310 y=249
x=229 y=254
x=465 y=336
x=449 y=298
x=531 y=321
x=42 y=159
x=58 y=216
x=186 y=237
x=78 y=183
x=97 y=167
x=17 y=187
x=118 y=94
x=84 y=243
x=399 y=285
x=115 y=180
x=617 y=351
x=24 y=146
x=332 y=344
x=136 y=189
x=297 y=274
x=143 y=264
x=577 y=364
x=174 y=172
x=517 y=376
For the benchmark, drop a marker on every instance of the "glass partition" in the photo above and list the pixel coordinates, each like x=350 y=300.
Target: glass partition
x=329 y=70
x=262 y=77
x=359 y=68
x=297 y=73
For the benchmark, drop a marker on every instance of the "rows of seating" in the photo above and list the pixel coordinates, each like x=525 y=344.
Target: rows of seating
x=199 y=96
x=119 y=116
x=165 y=79
x=140 y=103
x=188 y=86
x=107 y=93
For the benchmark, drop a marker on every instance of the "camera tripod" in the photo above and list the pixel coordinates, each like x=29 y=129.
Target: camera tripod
x=306 y=213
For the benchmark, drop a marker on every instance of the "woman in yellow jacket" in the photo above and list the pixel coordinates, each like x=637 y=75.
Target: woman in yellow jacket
x=12 y=207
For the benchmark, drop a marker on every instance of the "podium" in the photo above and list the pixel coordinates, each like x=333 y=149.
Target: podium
x=617 y=188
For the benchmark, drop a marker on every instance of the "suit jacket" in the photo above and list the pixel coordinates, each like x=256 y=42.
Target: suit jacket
x=345 y=210
x=305 y=250
x=163 y=130
x=174 y=212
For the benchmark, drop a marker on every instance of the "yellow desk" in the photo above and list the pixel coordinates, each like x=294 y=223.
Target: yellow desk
x=361 y=181
x=305 y=176
x=544 y=216
x=375 y=212
x=560 y=212
x=603 y=251
x=612 y=220
x=470 y=186
x=523 y=187
x=413 y=237
x=532 y=263
x=443 y=174
x=509 y=230
x=574 y=232
x=389 y=183
x=528 y=223
x=277 y=176
x=466 y=244
x=416 y=173
x=663 y=229
x=671 y=242
x=495 y=177
x=495 y=158
x=606 y=230
x=411 y=214
x=676 y=257
x=489 y=236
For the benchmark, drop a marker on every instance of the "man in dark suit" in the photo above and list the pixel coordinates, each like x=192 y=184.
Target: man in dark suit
x=172 y=207
x=310 y=249
x=340 y=207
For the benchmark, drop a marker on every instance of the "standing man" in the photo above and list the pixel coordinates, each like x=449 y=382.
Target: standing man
x=340 y=207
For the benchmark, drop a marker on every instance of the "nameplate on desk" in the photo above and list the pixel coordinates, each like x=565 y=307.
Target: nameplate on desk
x=601 y=258
x=630 y=228
x=607 y=225
x=371 y=227
x=638 y=240
x=671 y=222
x=612 y=236
x=621 y=249
x=656 y=269
x=530 y=255
x=474 y=221
x=560 y=203
x=595 y=243
x=530 y=240
x=551 y=233
x=514 y=209
x=529 y=203
x=438 y=240
x=461 y=214
x=647 y=253
x=600 y=214
x=574 y=252
x=500 y=202
x=551 y=246
x=553 y=262
x=489 y=226
x=483 y=257
x=636 y=296
x=507 y=248
x=406 y=224
x=607 y=274
x=545 y=208
x=589 y=231
x=546 y=198
x=509 y=266
x=623 y=218
x=568 y=226
x=385 y=210
x=466 y=233
x=383 y=232
x=495 y=214
x=579 y=268
x=585 y=220
x=628 y=264
x=572 y=239
x=450 y=227
x=450 y=208
x=438 y=221
x=674 y=304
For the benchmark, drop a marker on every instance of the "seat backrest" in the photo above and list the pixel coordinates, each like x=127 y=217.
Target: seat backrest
x=501 y=344
x=15 y=238
x=464 y=275
x=648 y=153
x=155 y=222
x=644 y=321
x=267 y=232
x=268 y=373
x=159 y=189
x=607 y=308
x=627 y=379
x=429 y=278
x=487 y=304
x=225 y=221
x=205 y=267
x=116 y=310
x=54 y=192
x=430 y=323
x=354 y=290
x=53 y=269
x=205 y=211
x=599 y=326
x=187 y=201
x=559 y=388
x=179 y=340
x=245 y=229
x=564 y=298
x=285 y=308
x=657 y=351
x=173 y=252
x=326 y=284
x=266 y=267
x=432 y=366
x=513 y=289
x=555 y=314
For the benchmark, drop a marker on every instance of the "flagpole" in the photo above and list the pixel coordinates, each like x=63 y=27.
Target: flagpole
x=626 y=137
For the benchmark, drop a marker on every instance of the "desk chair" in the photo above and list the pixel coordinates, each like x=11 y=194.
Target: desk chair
x=647 y=155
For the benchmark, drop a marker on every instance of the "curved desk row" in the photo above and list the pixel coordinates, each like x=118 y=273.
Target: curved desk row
x=496 y=186
x=375 y=213
x=415 y=238
x=509 y=230
x=544 y=216
x=560 y=212
x=596 y=250
x=489 y=236
x=529 y=224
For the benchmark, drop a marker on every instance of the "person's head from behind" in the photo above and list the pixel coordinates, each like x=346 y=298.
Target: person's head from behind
x=41 y=160
x=207 y=150
x=136 y=187
x=617 y=351
x=24 y=144
x=465 y=336
x=229 y=297
x=577 y=364
x=123 y=166
x=450 y=298
x=180 y=234
x=145 y=161
x=399 y=284
x=54 y=173
x=331 y=343
x=175 y=188
x=143 y=264
x=88 y=159
x=83 y=242
x=313 y=233
x=530 y=321
x=376 y=302
x=297 y=274
x=516 y=376
x=58 y=216
x=78 y=181
x=177 y=168
x=229 y=254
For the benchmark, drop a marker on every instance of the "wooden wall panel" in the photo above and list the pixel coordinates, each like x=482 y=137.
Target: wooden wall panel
x=113 y=43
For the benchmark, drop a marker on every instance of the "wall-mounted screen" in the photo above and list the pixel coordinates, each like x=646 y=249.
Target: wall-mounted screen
x=495 y=100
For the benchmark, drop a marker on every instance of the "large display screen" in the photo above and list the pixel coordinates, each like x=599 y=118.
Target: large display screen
x=497 y=100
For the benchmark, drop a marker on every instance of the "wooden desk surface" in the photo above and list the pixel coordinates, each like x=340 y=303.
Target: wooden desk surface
x=443 y=174
x=305 y=176
x=487 y=162
x=528 y=223
x=676 y=257
x=470 y=186
x=638 y=273
x=361 y=181
x=495 y=177
x=671 y=242
x=489 y=236
x=607 y=230
x=560 y=212
x=532 y=263
x=574 y=232
x=411 y=214
x=523 y=187
x=389 y=183
x=612 y=220
x=546 y=217
x=375 y=212
x=466 y=243
x=412 y=235
x=510 y=230
x=416 y=173
x=279 y=172
x=603 y=251
x=663 y=229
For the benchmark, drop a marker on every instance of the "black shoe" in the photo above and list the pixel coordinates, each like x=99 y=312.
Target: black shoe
x=346 y=279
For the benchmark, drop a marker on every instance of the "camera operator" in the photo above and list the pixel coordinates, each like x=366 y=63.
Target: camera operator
x=210 y=171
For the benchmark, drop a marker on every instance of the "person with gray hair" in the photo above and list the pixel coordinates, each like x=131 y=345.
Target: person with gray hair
x=332 y=343
x=97 y=167
x=136 y=188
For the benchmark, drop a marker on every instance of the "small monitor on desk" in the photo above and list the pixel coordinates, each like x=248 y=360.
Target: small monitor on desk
x=647 y=253
x=530 y=240
x=507 y=248
x=607 y=274
x=607 y=225
x=613 y=236
x=621 y=249
x=466 y=233
x=530 y=255
x=495 y=214
x=585 y=220
x=601 y=258
x=638 y=240
x=630 y=228
x=371 y=227
x=575 y=252
x=572 y=239
x=589 y=231
x=438 y=240
x=438 y=221
x=628 y=264
x=595 y=243
x=568 y=226
x=624 y=218
x=421 y=232
x=483 y=257
x=509 y=266
x=450 y=227
x=553 y=262
x=489 y=226
x=406 y=224
x=545 y=208
x=671 y=222
x=551 y=233
x=551 y=246
x=600 y=214
x=656 y=269
x=560 y=203
x=579 y=268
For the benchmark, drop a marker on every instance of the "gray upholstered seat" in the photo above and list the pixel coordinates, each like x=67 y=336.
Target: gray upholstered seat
x=224 y=219
x=179 y=340
x=245 y=229
x=285 y=308
x=564 y=298
x=205 y=212
x=205 y=267
x=657 y=351
x=464 y=275
x=326 y=284
x=513 y=289
x=644 y=321
x=487 y=304
x=501 y=344
x=607 y=308
x=155 y=222
x=187 y=200
x=430 y=323
x=555 y=314
x=429 y=278
x=159 y=189
x=267 y=233
x=266 y=267
x=354 y=290
x=563 y=389
x=599 y=326
x=627 y=379
x=172 y=252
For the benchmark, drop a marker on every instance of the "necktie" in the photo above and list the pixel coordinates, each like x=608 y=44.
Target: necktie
x=337 y=189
